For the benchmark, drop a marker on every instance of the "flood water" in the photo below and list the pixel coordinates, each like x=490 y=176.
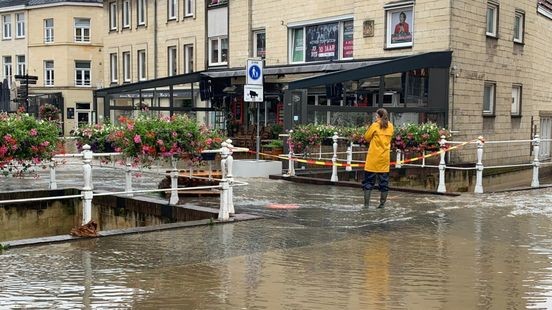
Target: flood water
x=490 y=251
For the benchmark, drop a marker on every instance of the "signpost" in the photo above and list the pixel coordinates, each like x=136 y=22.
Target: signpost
x=23 y=90
x=253 y=91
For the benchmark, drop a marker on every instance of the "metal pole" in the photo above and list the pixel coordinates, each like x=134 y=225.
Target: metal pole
x=87 y=156
x=174 y=183
x=258 y=130
x=334 y=159
x=536 y=163
x=479 y=167
x=442 y=167
x=53 y=183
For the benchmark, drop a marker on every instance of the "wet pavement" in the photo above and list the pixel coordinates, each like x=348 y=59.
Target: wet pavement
x=490 y=251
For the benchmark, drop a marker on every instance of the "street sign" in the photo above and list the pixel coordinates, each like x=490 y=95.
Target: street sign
x=253 y=93
x=254 y=72
x=26 y=77
x=23 y=82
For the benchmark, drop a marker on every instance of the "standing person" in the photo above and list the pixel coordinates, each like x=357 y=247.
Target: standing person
x=377 y=160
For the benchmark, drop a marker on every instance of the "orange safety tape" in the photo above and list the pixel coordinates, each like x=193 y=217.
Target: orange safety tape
x=393 y=163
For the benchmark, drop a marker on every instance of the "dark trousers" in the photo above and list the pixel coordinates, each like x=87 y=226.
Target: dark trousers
x=370 y=181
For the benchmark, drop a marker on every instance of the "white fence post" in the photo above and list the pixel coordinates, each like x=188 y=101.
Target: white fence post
x=174 y=183
x=398 y=159
x=223 y=209
x=291 y=163
x=479 y=167
x=349 y=157
x=536 y=163
x=87 y=156
x=442 y=167
x=128 y=177
x=334 y=158
x=230 y=178
x=423 y=158
x=53 y=183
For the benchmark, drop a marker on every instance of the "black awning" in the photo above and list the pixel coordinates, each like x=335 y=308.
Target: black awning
x=162 y=82
x=402 y=64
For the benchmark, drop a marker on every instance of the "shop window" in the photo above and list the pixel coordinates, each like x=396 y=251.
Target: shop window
x=489 y=99
x=492 y=19
x=321 y=42
x=519 y=24
x=516 y=100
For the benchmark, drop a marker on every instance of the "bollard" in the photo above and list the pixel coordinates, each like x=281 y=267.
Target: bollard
x=87 y=156
x=423 y=158
x=442 y=167
x=128 y=177
x=53 y=183
x=479 y=167
x=230 y=178
x=174 y=183
x=536 y=163
x=349 y=157
x=334 y=159
x=398 y=159
x=224 y=152
x=223 y=210
x=291 y=163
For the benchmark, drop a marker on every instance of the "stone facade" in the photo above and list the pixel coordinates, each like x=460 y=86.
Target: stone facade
x=63 y=50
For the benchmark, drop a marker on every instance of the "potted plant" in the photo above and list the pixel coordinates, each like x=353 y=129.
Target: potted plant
x=274 y=147
x=25 y=142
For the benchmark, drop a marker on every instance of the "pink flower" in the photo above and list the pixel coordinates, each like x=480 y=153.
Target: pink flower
x=130 y=127
x=45 y=143
x=36 y=160
x=33 y=132
x=174 y=134
x=160 y=142
x=3 y=150
x=137 y=139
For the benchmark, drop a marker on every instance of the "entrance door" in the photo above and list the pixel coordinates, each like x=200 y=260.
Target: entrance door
x=545 y=133
x=83 y=118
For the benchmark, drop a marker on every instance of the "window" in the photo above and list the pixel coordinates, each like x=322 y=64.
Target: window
x=259 y=44
x=6 y=21
x=142 y=72
x=49 y=73
x=20 y=21
x=492 y=20
x=172 y=64
x=141 y=12
x=172 y=9
x=126 y=67
x=188 y=58
x=489 y=98
x=399 y=22
x=219 y=51
x=82 y=73
x=49 y=30
x=113 y=67
x=113 y=16
x=82 y=30
x=126 y=14
x=330 y=41
x=212 y=3
x=189 y=7
x=516 y=100
x=21 y=66
x=519 y=21
x=8 y=72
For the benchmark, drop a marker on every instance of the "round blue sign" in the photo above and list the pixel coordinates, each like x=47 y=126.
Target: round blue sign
x=254 y=72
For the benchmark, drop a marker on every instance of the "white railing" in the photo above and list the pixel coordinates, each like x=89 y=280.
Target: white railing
x=226 y=183
x=401 y=161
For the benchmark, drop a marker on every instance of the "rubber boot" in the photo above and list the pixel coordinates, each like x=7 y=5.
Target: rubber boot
x=367 y=194
x=383 y=199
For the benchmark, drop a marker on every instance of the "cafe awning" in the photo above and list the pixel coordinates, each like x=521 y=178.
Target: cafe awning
x=378 y=68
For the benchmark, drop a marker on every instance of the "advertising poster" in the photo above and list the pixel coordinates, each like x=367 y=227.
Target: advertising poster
x=348 y=39
x=400 y=26
x=322 y=42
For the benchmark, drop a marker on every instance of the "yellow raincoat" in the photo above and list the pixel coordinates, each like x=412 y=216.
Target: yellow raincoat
x=378 y=157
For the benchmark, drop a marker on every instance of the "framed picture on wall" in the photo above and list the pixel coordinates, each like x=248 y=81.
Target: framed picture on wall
x=400 y=27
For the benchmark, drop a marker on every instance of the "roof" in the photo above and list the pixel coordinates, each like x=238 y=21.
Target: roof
x=401 y=64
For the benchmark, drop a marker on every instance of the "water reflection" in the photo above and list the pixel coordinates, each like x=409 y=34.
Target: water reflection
x=421 y=252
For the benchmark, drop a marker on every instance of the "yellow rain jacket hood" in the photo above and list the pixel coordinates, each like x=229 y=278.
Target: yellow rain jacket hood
x=378 y=157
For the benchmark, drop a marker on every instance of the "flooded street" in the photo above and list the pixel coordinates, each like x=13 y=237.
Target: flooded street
x=490 y=251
